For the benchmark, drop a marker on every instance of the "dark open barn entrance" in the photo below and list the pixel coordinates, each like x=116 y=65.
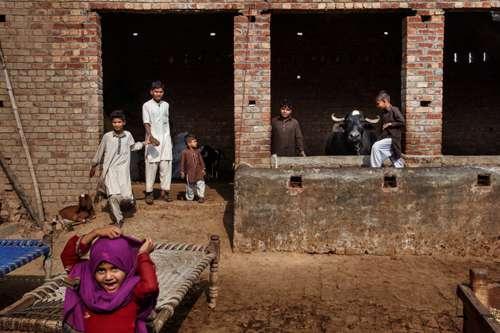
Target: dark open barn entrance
x=471 y=98
x=327 y=63
x=192 y=54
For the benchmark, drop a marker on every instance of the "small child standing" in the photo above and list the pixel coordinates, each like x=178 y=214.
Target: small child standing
x=193 y=169
x=115 y=147
x=118 y=286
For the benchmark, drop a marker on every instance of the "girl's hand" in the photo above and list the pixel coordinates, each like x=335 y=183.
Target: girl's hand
x=110 y=232
x=147 y=247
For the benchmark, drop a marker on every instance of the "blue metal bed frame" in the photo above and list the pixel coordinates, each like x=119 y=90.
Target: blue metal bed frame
x=15 y=253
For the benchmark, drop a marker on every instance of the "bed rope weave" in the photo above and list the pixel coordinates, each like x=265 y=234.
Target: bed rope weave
x=178 y=267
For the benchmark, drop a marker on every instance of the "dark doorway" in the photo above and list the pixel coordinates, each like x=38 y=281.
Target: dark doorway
x=192 y=54
x=334 y=63
x=471 y=98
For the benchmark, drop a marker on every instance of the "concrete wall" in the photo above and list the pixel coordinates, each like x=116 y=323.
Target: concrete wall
x=348 y=211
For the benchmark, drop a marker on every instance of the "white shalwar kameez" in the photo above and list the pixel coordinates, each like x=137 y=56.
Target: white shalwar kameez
x=156 y=115
x=116 y=148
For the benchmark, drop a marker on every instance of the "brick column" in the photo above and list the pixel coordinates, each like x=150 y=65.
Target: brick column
x=422 y=82
x=252 y=88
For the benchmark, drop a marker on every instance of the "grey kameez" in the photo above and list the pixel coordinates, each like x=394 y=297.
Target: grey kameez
x=114 y=153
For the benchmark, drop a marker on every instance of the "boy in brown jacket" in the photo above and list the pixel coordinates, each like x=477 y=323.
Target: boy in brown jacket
x=193 y=169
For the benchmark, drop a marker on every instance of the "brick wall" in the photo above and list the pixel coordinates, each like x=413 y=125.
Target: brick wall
x=53 y=50
x=252 y=87
x=53 y=57
x=10 y=205
x=423 y=81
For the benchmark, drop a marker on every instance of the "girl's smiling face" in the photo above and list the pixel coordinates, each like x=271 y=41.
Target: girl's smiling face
x=109 y=277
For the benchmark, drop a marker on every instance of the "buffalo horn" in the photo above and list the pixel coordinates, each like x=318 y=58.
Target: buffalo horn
x=335 y=119
x=373 y=121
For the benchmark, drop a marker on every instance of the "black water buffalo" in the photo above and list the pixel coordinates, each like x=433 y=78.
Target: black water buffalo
x=212 y=158
x=352 y=135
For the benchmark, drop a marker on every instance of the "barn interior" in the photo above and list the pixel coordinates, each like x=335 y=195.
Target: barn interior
x=471 y=99
x=192 y=54
x=334 y=63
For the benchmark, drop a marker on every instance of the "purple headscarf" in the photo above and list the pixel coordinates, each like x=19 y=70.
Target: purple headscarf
x=120 y=252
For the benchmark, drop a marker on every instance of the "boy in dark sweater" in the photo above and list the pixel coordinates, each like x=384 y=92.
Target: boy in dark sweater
x=193 y=169
x=389 y=144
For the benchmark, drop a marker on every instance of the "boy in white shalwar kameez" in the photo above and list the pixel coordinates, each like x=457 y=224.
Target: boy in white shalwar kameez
x=158 y=154
x=115 y=147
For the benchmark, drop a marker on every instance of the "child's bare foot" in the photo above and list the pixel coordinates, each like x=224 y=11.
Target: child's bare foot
x=165 y=195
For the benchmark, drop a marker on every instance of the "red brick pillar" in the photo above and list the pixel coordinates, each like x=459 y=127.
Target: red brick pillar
x=252 y=88
x=422 y=83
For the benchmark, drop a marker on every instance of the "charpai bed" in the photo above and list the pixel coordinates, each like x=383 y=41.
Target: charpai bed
x=178 y=267
x=15 y=253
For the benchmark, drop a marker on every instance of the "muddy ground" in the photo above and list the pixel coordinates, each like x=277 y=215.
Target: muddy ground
x=287 y=292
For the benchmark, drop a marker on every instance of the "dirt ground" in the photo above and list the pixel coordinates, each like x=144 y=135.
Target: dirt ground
x=288 y=292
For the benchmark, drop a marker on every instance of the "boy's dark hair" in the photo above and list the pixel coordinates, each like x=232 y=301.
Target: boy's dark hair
x=286 y=104
x=157 y=85
x=117 y=114
x=383 y=95
x=189 y=137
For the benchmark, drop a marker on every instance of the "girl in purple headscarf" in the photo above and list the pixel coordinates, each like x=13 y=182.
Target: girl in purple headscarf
x=118 y=284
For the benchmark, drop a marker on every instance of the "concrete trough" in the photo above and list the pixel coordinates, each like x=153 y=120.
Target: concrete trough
x=352 y=210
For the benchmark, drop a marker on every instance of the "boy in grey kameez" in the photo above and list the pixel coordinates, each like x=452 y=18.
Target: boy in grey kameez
x=115 y=147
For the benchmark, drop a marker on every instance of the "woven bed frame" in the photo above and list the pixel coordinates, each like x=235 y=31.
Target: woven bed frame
x=178 y=267
x=15 y=253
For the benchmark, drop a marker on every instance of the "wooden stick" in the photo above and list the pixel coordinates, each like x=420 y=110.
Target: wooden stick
x=36 y=189
x=18 y=188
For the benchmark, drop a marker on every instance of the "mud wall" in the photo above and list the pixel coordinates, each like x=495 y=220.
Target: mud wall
x=449 y=210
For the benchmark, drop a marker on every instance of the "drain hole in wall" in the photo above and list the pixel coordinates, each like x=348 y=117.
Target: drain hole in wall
x=296 y=182
x=390 y=182
x=484 y=180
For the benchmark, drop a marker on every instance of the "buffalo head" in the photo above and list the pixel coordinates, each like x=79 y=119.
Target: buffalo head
x=354 y=124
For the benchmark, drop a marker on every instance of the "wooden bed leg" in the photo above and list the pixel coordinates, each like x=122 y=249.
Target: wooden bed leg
x=213 y=289
x=479 y=284
x=48 y=239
